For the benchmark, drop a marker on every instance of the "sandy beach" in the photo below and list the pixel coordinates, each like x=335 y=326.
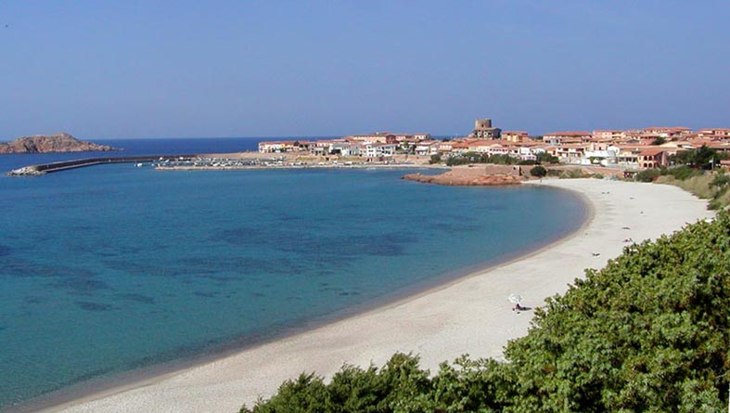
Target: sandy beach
x=470 y=315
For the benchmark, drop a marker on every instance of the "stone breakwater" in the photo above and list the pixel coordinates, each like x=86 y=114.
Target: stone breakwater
x=473 y=176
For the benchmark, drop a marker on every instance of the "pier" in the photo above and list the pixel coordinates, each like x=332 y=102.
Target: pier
x=42 y=169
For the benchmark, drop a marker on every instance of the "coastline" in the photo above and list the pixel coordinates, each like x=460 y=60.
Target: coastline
x=469 y=314
x=99 y=387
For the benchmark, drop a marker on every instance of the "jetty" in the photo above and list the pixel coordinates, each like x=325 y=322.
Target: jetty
x=42 y=169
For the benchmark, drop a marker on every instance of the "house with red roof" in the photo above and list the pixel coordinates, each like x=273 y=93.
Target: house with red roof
x=714 y=133
x=654 y=157
x=566 y=137
x=666 y=131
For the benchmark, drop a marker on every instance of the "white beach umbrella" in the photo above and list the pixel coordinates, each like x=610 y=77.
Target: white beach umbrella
x=515 y=298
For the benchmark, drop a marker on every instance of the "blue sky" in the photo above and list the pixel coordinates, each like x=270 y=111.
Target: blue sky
x=286 y=68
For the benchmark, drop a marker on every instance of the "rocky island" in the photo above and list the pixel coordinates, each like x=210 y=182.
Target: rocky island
x=59 y=142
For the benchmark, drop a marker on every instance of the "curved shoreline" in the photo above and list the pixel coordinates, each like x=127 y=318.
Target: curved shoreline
x=99 y=387
x=468 y=314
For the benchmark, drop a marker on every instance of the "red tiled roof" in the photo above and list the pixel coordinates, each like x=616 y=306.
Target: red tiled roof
x=569 y=133
x=668 y=128
x=652 y=151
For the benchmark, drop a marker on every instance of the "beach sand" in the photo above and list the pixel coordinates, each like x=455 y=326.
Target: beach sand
x=470 y=315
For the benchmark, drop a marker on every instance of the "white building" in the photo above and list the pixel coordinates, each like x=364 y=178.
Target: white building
x=376 y=150
x=427 y=148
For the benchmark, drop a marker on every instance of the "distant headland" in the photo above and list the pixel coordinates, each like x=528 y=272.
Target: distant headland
x=59 y=142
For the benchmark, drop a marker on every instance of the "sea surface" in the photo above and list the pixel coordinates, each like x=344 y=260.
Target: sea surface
x=111 y=268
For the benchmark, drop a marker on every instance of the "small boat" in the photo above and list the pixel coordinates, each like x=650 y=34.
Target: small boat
x=139 y=164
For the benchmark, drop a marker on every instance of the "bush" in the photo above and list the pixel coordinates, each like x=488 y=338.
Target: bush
x=544 y=157
x=647 y=175
x=538 y=171
x=681 y=172
x=721 y=180
x=435 y=159
x=721 y=200
x=474 y=157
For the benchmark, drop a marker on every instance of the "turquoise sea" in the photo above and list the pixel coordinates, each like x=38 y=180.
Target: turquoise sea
x=112 y=268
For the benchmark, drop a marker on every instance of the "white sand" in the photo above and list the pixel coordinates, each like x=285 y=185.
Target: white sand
x=471 y=315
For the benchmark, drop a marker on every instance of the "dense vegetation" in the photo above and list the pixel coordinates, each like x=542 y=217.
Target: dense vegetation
x=538 y=171
x=702 y=157
x=649 y=332
x=476 y=157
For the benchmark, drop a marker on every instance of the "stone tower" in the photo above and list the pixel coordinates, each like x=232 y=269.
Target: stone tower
x=483 y=129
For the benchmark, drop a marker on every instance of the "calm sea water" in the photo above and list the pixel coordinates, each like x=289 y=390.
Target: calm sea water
x=110 y=268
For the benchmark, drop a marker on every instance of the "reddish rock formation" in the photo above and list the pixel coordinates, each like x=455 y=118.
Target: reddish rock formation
x=476 y=176
x=60 y=142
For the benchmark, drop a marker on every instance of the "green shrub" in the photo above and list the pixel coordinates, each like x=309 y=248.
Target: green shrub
x=681 y=172
x=544 y=157
x=538 y=171
x=721 y=200
x=647 y=175
x=721 y=180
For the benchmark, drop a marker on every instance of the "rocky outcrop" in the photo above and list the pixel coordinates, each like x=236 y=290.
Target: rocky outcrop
x=60 y=142
x=460 y=178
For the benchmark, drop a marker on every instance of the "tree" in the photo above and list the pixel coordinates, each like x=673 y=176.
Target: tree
x=538 y=171
x=544 y=157
x=703 y=157
x=647 y=175
x=659 y=141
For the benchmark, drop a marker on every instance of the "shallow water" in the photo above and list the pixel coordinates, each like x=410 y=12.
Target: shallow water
x=109 y=268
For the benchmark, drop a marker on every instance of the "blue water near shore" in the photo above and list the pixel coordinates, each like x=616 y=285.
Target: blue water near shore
x=111 y=268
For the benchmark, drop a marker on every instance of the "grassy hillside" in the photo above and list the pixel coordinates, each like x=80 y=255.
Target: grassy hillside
x=649 y=332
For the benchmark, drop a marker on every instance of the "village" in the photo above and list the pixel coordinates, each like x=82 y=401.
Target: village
x=622 y=150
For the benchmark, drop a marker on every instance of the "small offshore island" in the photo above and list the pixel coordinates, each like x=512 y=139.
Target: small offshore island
x=59 y=142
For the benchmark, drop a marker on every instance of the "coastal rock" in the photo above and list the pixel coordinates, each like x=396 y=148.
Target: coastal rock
x=482 y=175
x=59 y=142
x=483 y=180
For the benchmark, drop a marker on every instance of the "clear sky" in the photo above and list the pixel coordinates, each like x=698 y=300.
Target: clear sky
x=116 y=69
